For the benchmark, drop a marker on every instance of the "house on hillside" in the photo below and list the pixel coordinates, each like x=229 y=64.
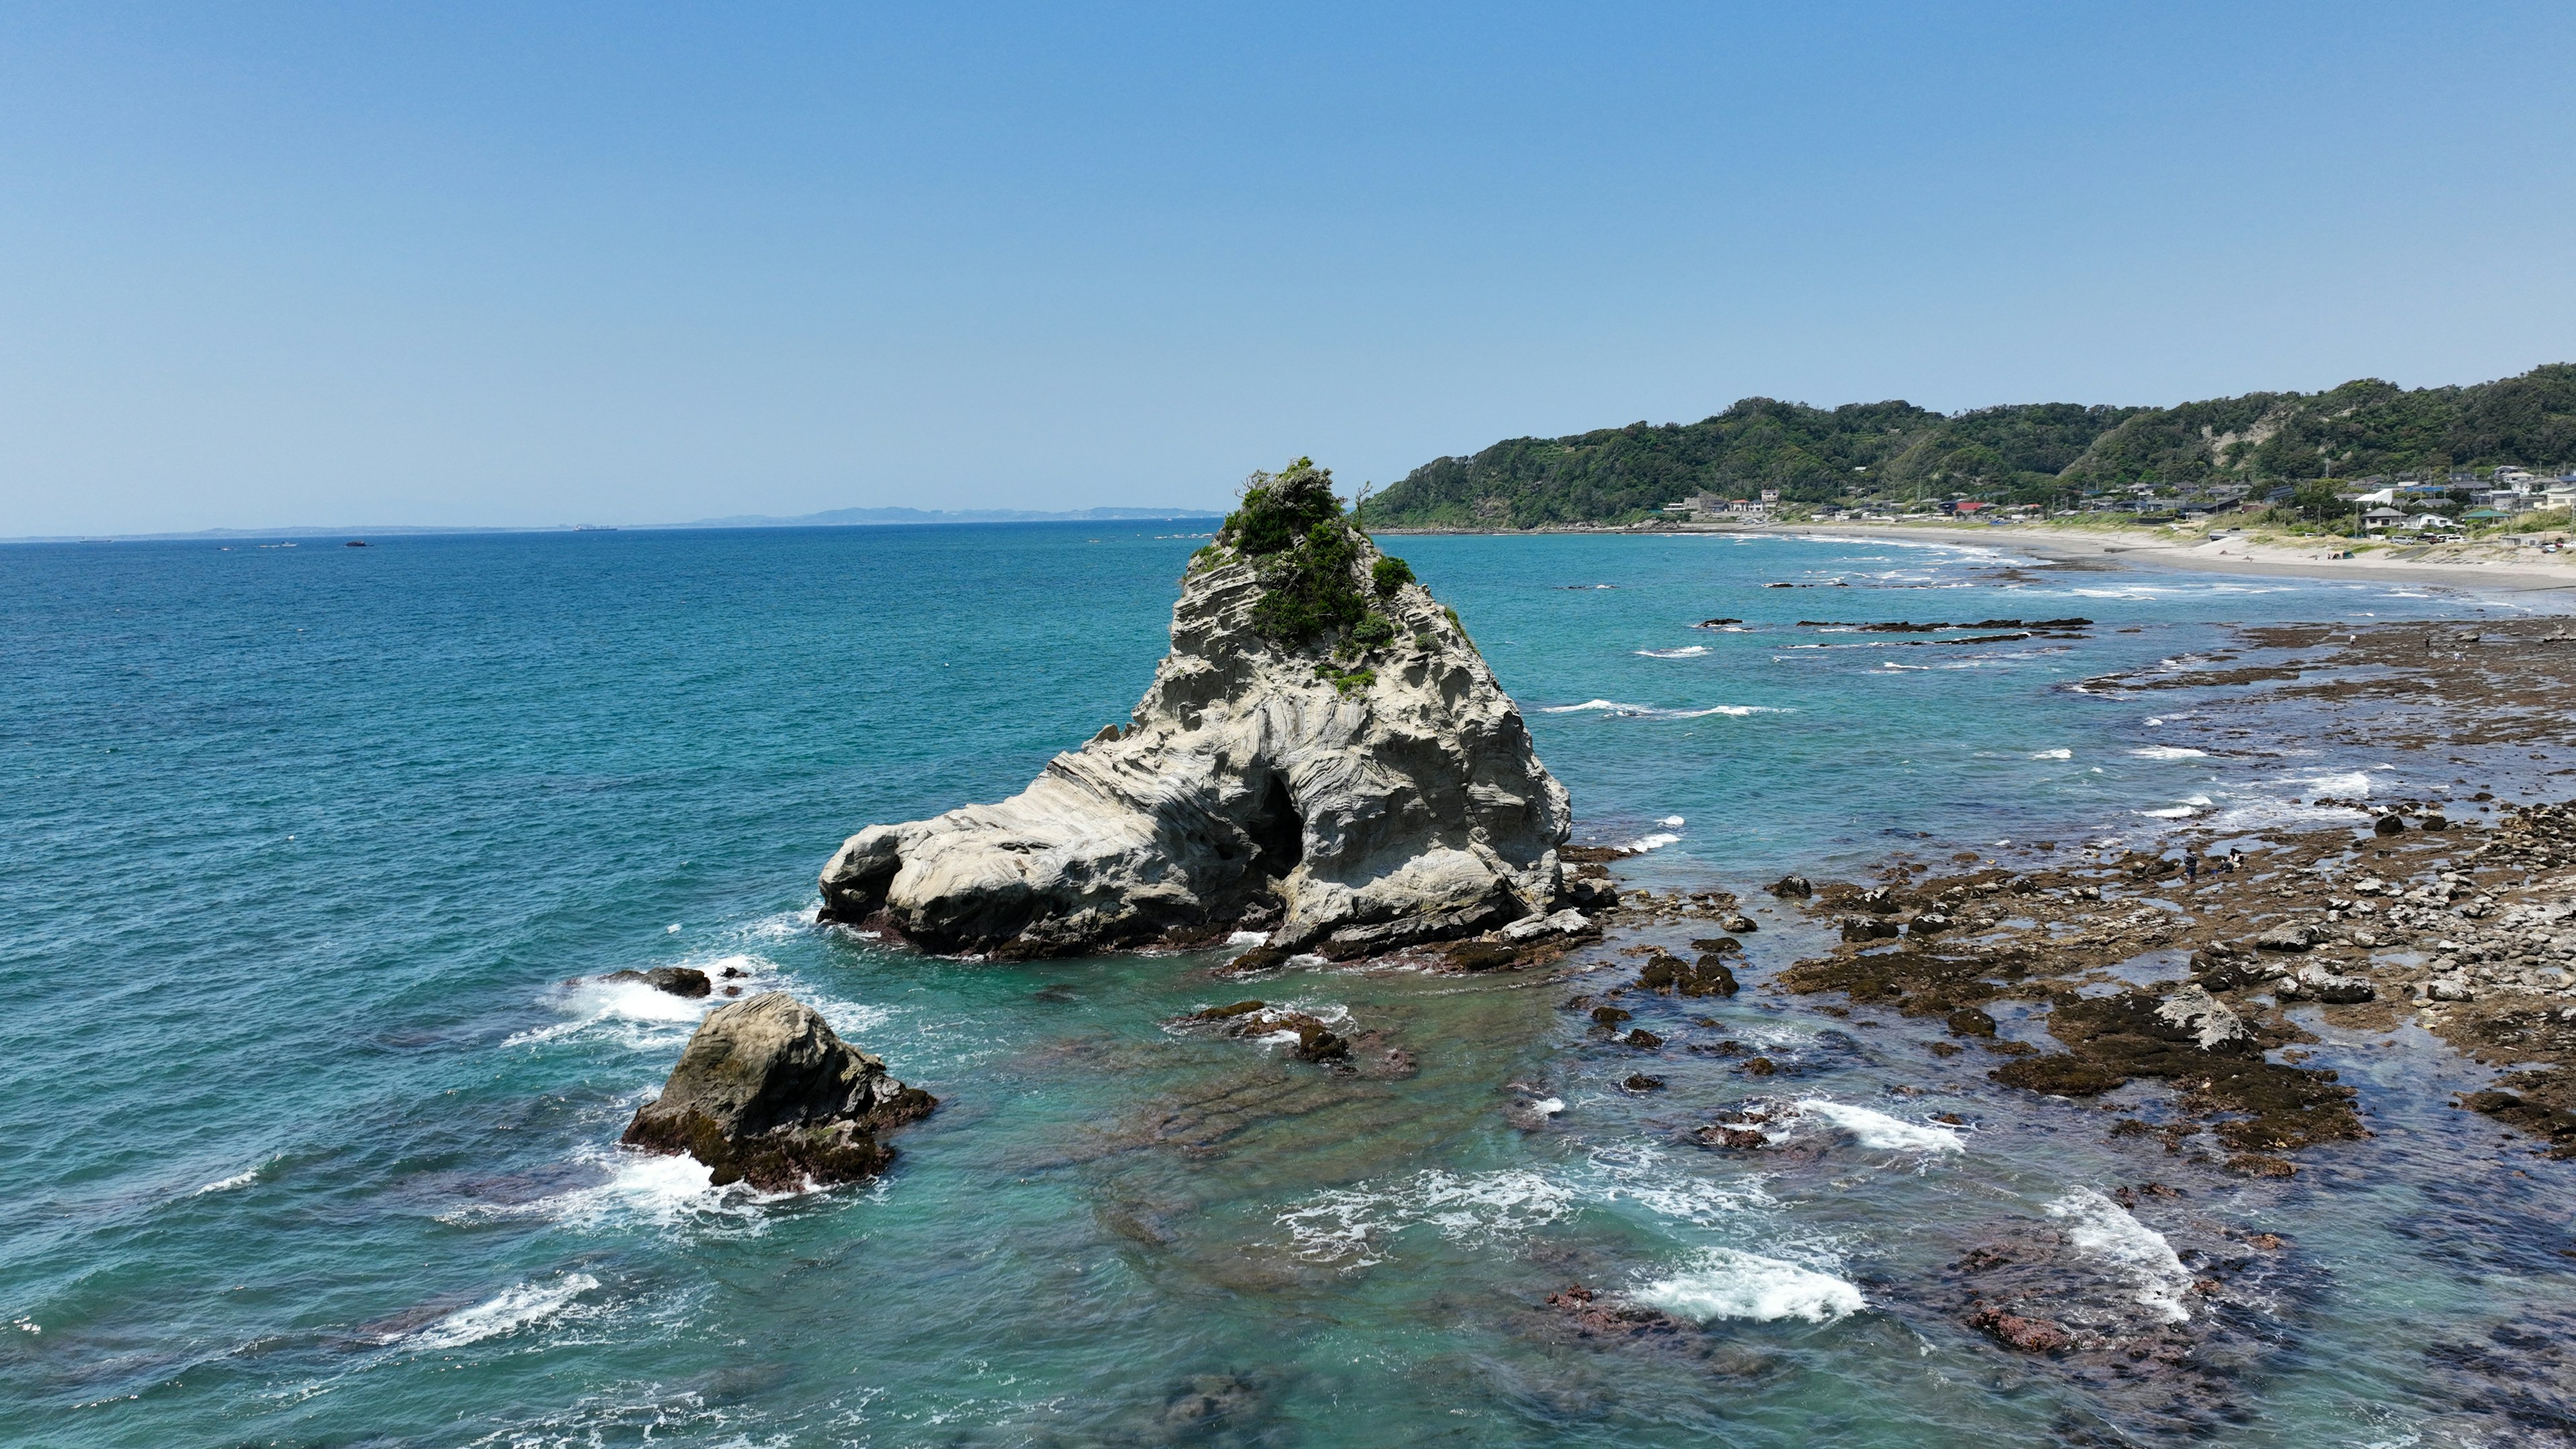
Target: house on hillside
x=2381 y=517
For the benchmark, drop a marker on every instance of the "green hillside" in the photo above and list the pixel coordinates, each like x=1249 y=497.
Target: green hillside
x=2030 y=452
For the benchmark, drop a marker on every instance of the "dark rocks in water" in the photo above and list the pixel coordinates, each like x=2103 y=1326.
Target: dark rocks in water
x=2059 y=1074
x=1868 y=928
x=1718 y=943
x=1715 y=623
x=1591 y=893
x=2433 y=822
x=2551 y=1124
x=1791 y=887
x=1969 y=1021
x=1206 y=1404
x=1730 y=1137
x=1740 y=925
x=1761 y=1067
x=2029 y=1335
x=1709 y=976
x=1259 y=958
x=1316 y=1042
x=1644 y=1040
x=1927 y=924
x=1610 y=1015
x=1640 y=1082
x=767 y=1093
x=677 y=980
x=2389 y=825
x=1483 y=955
x=2198 y=1043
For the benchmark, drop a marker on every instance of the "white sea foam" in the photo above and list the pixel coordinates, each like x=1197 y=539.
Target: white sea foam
x=1548 y=1106
x=227 y=1184
x=1617 y=710
x=1730 y=1283
x=2176 y=812
x=1692 y=651
x=1353 y=1226
x=2053 y=755
x=526 y=1304
x=1875 y=1129
x=1610 y=705
x=1656 y=841
x=2103 y=1231
x=1736 y=711
x=2355 y=783
x=2169 y=752
x=1671 y=820
x=1247 y=938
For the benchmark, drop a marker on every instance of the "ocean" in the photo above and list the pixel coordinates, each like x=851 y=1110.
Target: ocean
x=313 y=854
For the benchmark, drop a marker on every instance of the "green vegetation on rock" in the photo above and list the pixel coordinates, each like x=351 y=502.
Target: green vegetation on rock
x=1291 y=528
x=2023 y=453
x=1389 y=574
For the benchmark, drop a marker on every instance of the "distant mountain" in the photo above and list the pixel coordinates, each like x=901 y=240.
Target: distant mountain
x=2023 y=452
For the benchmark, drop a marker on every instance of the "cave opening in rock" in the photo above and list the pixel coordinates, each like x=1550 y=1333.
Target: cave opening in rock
x=1278 y=831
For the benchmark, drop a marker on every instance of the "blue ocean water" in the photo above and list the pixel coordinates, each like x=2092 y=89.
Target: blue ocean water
x=311 y=849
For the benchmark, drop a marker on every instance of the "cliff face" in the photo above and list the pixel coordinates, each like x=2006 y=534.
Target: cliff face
x=1348 y=802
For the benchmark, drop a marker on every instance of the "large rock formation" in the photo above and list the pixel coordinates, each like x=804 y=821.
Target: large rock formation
x=1323 y=750
x=767 y=1093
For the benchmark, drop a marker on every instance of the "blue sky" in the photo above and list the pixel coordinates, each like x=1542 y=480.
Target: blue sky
x=631 y=263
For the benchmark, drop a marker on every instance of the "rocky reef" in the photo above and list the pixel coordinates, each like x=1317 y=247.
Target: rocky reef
x=767 y=1093
x=1323 y=755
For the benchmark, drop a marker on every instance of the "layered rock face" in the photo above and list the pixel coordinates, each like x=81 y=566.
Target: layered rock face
x=1364 y=787
x=767 y=1093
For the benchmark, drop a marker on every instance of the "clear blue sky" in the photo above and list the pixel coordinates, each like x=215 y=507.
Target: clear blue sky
x=543 y=263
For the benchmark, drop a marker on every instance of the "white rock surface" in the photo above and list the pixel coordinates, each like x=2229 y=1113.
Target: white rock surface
x=1246 y=790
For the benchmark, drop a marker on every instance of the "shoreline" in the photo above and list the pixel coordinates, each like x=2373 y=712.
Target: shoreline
x=2555 y=582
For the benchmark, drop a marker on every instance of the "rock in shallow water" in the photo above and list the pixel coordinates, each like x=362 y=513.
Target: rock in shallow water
x=1378 y=797
x=767 y=1093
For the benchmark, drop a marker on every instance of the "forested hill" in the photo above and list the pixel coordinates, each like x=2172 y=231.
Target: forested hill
x=2026 y=452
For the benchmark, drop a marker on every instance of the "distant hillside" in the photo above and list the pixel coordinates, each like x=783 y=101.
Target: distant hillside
x=849 y=517
x=2023 y=452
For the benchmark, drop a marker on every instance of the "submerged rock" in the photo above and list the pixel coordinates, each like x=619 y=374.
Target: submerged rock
x=767 y=1093
x=1322 y=740
x=677 y=980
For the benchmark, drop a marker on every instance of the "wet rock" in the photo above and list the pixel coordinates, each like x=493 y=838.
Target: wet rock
x=1740 y=925
x=2211 y=1025
x=1206 y=1403
x=2059 y=1074
x=1610 y=1015
x=1708 y=976
x=1760 y=1067
x=1644 y=1040
x=1928 y=923
x=2389 y=825
x=1791 y=887
x=2291 y=937
x=766 y=1093
x=677 y=980
x=1969 y=1021
x=1568 y=922
x=1868 y=928
x=2323 y=985
x=1640 y=1082
x=1483 y=955
x=2028 y=1335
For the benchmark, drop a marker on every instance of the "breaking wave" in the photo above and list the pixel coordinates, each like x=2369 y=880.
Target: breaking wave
x=1731 y=1283
x=513 y=1310
x=2103 y=1231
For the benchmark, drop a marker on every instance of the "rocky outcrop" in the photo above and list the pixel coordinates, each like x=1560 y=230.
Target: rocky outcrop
x=1323 y=755
x=767 y=1093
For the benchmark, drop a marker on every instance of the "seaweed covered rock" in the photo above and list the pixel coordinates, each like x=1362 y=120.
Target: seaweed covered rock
x=1322 y=748
x=767 y=1093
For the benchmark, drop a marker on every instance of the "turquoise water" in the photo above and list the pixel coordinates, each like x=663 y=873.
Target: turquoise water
x=313 y=1119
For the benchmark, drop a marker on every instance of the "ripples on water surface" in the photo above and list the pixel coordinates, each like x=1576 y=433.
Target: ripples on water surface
x=311 y=1141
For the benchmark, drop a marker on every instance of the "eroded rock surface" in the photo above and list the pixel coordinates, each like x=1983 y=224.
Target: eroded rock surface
x=767 y=1093
x=1364 y=788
